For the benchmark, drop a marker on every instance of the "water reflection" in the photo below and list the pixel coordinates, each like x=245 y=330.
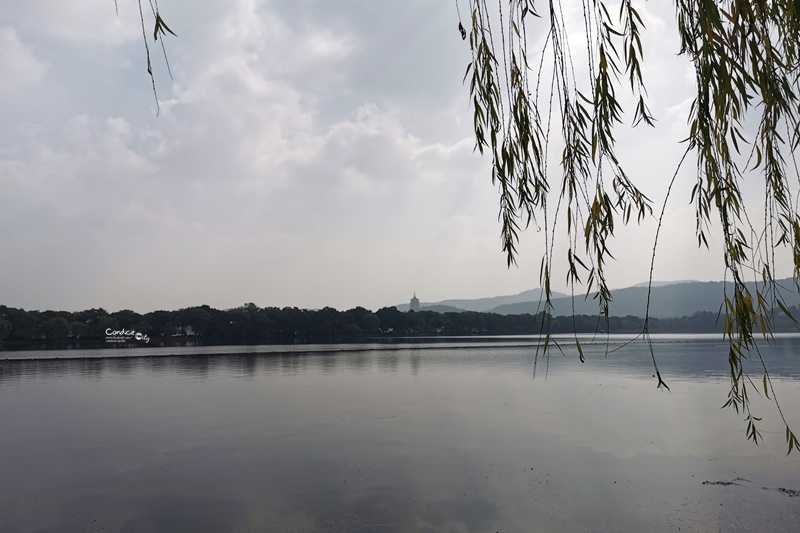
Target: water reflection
x=434 y=439
x=292 y=364
x=199 y=365
x=122 y=366
x=328 y=363
x=360 y=361
x=415 y=362
x=388 y=361
x=678 y=359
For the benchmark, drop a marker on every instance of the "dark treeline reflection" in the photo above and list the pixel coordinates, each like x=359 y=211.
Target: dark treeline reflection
x=677 y=357
x=195 y=365
x=250 y=323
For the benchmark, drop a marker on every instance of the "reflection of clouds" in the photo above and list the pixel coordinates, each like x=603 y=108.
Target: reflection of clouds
x=360 y=488
x=466 y=441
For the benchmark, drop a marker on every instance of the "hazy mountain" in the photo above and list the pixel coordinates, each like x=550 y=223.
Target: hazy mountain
x=665 y=283
x=672 y=300
x=483 y=304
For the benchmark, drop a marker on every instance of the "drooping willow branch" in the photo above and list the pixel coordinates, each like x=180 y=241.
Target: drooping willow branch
x=745 y=58
x=160 y=28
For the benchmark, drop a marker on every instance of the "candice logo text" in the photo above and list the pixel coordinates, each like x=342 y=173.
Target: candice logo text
x=125 y=335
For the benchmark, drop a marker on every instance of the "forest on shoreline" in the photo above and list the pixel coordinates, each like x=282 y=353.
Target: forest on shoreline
x=250 y=323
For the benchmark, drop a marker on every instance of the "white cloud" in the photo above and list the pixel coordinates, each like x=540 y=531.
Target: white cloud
x=83 y=21
x=307 y=154
x=18 y=63
x=326 y=46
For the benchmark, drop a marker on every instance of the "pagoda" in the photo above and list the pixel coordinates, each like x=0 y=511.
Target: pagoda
x=414 y=304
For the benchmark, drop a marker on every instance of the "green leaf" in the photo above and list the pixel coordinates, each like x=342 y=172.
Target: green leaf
x=164 y=25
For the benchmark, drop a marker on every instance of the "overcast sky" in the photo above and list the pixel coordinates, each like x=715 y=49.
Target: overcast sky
x=307 y=153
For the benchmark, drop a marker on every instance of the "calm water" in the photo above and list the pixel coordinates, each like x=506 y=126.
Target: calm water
x=431 y=437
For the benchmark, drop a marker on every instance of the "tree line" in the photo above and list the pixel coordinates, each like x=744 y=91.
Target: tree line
x=250 y=323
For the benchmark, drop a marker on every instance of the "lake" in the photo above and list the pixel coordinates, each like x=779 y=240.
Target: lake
x=453 y=436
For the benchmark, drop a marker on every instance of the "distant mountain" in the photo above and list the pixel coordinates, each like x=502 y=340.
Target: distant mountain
x=667 y=301
x=483 y=304
x=665 y=283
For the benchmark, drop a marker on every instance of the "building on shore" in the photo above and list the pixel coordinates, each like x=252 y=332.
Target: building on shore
x=414 y=303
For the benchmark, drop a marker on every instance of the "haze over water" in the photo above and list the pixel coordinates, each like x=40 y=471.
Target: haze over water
x=450 y=436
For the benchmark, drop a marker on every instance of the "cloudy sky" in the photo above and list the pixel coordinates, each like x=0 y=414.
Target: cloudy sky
x=307 y=153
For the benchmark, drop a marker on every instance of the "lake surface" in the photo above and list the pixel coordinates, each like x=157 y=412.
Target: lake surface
x=456 y=436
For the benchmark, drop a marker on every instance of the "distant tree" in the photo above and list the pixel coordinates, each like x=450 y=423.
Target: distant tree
x=78 y=329
x=103 y=324
x=391 y=319
x=24 y=325
x=162 y=323
x=55 y=328
x=352 y=331
x=143 y=326
x=323 y=330
x=238 y=322
x=195 y=319
x=369 y=323
x=262 y=325
x=415 y=322
x=5 y=329
x=127 y=318
x=291 y=323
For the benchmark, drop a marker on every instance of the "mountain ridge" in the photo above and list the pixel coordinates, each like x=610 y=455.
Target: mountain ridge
x=668 y=300
x=483 y=304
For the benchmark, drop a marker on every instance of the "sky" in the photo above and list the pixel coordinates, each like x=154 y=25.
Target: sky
x=305 y=153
